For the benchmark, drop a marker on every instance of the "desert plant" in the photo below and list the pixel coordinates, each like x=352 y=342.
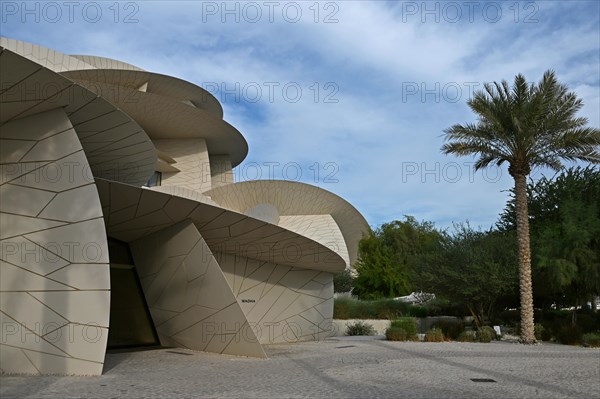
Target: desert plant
x=399 y=334
x=539 y=332
x=486 y=334
x=467 y=336
x=591 y=340
x=359 y=328
x=568 y=335
x=451 y=329
x=434 y=335
x=349 y=308
x=408 y=324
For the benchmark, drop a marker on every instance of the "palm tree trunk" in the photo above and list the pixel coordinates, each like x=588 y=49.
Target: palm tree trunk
x=527 y=326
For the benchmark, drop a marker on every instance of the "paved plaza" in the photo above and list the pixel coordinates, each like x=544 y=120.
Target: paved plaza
x=336 y=368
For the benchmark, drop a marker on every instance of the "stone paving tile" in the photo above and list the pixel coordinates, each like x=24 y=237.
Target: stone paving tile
x=335 y=369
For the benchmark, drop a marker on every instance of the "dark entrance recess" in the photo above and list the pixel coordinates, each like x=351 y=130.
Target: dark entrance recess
x=130 y=320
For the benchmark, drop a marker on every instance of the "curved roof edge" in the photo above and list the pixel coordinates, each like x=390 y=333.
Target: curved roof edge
x=48 y=58
x=166 y=118
x=115 y=146
x=295 y=198
x=105 y=62
x=224 y=230
x=160 y=84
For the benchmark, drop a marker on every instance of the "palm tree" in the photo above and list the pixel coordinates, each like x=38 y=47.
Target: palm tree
x=525 y=126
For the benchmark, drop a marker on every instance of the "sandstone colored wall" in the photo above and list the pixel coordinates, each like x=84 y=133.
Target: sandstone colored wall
x=54 y=274
x=188 y=296
x=282 y=303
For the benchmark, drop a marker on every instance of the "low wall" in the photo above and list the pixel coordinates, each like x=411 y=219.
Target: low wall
x=380 y=325
x=339 y=326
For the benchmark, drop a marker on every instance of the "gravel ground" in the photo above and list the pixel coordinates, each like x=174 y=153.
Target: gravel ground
x=335 y=368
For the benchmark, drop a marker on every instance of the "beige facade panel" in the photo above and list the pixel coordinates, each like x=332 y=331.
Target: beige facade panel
x=150 y=82
x=191 y=160
x=116 y=146
x=131 y=213
x=188 y=296
x=321 y=228
x=184 y=193
x=167 y=118
x=54 y=276
x=221 y=170
x=281 y=303
x=104 y=63
x=293 y=198
x=53 y=60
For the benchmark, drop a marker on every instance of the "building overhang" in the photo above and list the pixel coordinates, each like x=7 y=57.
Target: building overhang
x=131 y=213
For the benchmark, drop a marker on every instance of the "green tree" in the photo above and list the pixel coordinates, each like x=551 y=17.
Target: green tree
x=388 y=256
x=565 y=228
x=343 y=282
x=474 y=269
x=525 y=126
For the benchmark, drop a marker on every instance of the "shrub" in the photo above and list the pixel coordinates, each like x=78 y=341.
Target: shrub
x=568 y=335
x=399 y=334
x=434 y=335
x=546 y=334
x=408 y=324
x=591 y=340
x=420 y=311
x=467 y=336
x=486 y=334
x=587 y=322
x=341 y=308
x=539 y=331
x=348 y=308
x=402 y=329
x=451 y=329
x=359 y=328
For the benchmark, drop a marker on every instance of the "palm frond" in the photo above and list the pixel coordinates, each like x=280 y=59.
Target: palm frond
x=526 y=124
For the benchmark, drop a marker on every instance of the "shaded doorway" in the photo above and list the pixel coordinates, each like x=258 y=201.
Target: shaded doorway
x=130 y=322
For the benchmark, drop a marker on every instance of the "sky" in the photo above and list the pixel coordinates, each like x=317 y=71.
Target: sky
x=351 y=96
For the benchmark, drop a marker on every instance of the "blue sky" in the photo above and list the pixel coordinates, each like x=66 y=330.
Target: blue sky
x=352 y=96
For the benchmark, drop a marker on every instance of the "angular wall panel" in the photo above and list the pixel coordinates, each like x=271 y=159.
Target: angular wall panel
x=281 y=303
x=191 y=156
x=54 y=295
x=188 y=296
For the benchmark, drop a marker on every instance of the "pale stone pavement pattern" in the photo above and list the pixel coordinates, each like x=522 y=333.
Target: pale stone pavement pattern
x=335 y=368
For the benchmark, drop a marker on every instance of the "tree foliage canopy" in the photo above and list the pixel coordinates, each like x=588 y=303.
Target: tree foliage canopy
x=389 y=257
x=565 y=227
x=477 y=269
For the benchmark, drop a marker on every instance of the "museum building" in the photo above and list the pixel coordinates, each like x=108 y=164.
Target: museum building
x=122 y=225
